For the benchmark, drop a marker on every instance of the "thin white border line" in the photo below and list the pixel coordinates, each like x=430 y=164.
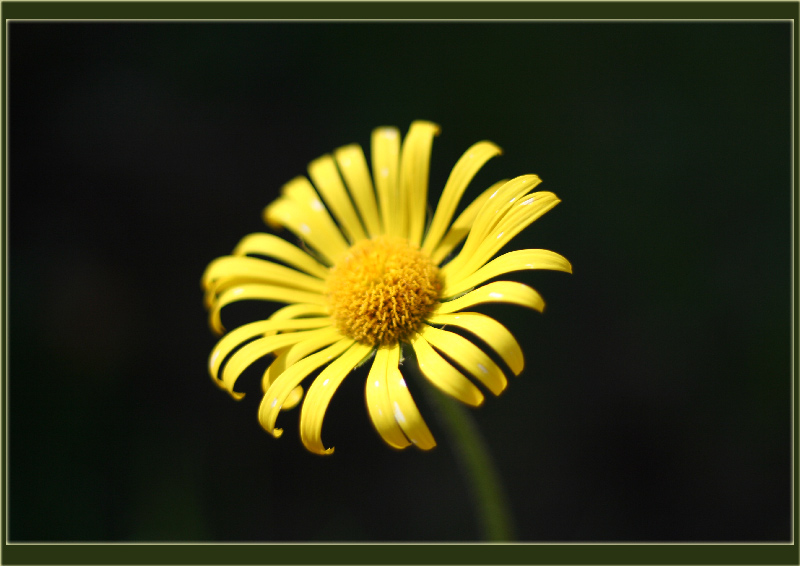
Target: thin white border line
x=393 y=20
x=391 y=543
x=793 y=306
x=470 y=543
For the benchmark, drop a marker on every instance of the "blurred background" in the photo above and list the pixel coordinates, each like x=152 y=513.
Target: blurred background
x=656 y=400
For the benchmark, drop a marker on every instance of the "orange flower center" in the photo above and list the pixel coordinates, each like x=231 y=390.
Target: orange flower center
x=382 y=290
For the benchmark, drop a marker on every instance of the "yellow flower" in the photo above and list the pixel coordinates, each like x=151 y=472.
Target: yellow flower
x=373 y=277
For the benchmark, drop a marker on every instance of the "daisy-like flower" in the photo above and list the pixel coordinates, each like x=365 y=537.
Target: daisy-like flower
x=374 y=276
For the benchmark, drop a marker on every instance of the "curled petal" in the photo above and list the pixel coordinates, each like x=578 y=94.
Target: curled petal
x=490 y=331
x=403 y=408
x=252 y=351
x=492 y=213
x=379 y=405
x=280 y=389
x=238 y=336
x=229 y=271
x=269 y=245
x=444 y=376
x=499 y=204
x=495 y=292
x=259 y=292
x=295 y=396
x=311 y=343
x=528 y=209
x=512 y=261
x=326 y=177
x=321 y=392
x=468 y=356
x=298 y=310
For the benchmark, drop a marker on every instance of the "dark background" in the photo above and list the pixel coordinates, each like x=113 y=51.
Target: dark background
x=655 y=404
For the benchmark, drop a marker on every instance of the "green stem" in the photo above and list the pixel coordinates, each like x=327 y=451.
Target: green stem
x=476 y=463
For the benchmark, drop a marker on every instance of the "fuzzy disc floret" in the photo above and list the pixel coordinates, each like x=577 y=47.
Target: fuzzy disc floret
x=382 y=290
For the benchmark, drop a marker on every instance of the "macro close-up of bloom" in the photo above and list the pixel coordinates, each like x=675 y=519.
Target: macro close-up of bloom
x=375 y=280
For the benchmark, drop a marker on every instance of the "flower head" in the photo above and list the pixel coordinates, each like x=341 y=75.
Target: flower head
x=373 y=278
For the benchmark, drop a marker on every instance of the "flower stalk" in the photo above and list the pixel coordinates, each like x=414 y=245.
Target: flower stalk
x=493 y=512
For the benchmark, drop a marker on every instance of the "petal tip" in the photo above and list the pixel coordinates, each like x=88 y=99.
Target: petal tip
x=428 y=447
x=427 y=123
x=320 y=450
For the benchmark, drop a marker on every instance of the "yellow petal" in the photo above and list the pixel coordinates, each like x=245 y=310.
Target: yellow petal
x=493 y=211
x=512 y=261
x=252 y=351
x=444 y=376
x=303 y=349
x=263 y=293
x=496 y=292
x=490 y=331
x=321 y=392
x=499 y=204
x=355 y=171
x=326 y=177
x=381 y=412
x=298 y=310
x=468 y=356
x=385 y=164
x=463 y=224
x=280 y=389
x=463 y=172
x=238 y=336
x=518 y=218
x=269 y=245
x=310 y=344
x=229 y=271
x=295 y=396
x=301 y=211
x=414 y=166
x=403 y=408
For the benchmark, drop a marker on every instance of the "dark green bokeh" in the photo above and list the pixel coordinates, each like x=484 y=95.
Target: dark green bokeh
x=655 y=404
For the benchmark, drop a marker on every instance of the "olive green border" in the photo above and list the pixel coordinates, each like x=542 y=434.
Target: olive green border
x=399 y=554
x=398 y=10
x=179 y=553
